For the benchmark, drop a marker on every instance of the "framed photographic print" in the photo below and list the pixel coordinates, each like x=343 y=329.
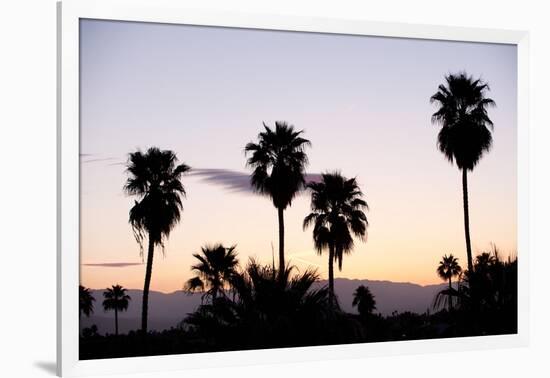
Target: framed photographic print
x=245 y=187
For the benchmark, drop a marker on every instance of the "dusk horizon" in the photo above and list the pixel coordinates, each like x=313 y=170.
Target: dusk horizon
x=251 y=165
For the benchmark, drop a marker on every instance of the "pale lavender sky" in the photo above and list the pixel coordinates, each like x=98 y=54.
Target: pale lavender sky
x=362 y=101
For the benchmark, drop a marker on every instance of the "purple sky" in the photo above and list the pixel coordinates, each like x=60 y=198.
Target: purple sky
x=362 y=101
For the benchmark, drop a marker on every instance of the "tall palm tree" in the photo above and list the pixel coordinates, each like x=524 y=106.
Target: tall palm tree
x=116 y=299
x=337 y=215
x=447 y=269
x=278 y=161
x=465 y=133
x=155 y=178
x=86 y=301
x=217 y=265
x=364 y=300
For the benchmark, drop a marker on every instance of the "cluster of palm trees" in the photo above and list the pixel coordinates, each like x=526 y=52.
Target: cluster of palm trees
x=490 y=287
x=256 y=305
x=115 y=299
x=278 y=161
x=260 y=307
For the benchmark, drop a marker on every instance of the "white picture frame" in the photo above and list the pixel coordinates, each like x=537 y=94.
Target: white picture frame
x=169 y=11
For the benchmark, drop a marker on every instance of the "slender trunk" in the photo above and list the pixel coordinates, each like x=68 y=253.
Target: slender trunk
x=450 y=296
x=331 y=276
x=466 y=218
x=281 y=241
x=148 y=271
x=116 y=321
x=214 y=294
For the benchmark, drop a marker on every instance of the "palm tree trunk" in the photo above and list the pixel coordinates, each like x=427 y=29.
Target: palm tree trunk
x=281 y=241
x=148 y=271
x=331 y=276
x=450 y=296
x=466 y=218
x=116 y=321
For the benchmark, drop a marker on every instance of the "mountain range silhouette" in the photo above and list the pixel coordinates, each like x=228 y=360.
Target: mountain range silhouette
x=166 y=310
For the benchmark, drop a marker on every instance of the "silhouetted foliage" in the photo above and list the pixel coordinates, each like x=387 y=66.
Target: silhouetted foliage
x=264 y=300
x=465 y=133
x=90 y=332
x=262 y=306
x=447 y=269
x=364 y=301
x=487 y=296
x=271 y=310
x=216 y=267
x=278 y=160
x=337 y=214
x=117 y=300
x=86 y=301
x=155 y=178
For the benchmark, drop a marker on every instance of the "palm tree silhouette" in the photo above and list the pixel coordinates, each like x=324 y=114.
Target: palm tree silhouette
x=364 y=300
x=485 y=260
x=447 y=269
x=155 y=178
x=337 y=214
x=86 y=301
x=279 y=161
x=116 y=299
x=279 y=297
x=465 y=133
x=217 y=265
x=269 y=309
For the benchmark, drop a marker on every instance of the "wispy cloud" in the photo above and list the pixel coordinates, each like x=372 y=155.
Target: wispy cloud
x=95 y=158
x=234 y=181
x=299 y=256
x=304 y=261
x=98 y=160
x=113 y=265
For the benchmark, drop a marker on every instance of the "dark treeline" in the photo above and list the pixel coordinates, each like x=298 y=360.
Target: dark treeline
x=257 y=309
x=256 y=306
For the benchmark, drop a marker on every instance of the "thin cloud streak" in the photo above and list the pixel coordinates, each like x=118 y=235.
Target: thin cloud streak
x=94 y=158
x=98 y=160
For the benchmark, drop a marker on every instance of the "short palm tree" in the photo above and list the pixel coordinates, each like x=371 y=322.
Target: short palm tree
x=447 y=269
x=215 y=269
x=485 y=260
x=278 y=160
x=155 y=178
x=116 y=299
x=86 y=301
x=364 y=300
x=270 y=309
x=261 y=289
x=338 y=214
x=465 y=133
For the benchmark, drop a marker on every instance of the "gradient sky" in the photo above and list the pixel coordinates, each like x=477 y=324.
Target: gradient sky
x=363 y=102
